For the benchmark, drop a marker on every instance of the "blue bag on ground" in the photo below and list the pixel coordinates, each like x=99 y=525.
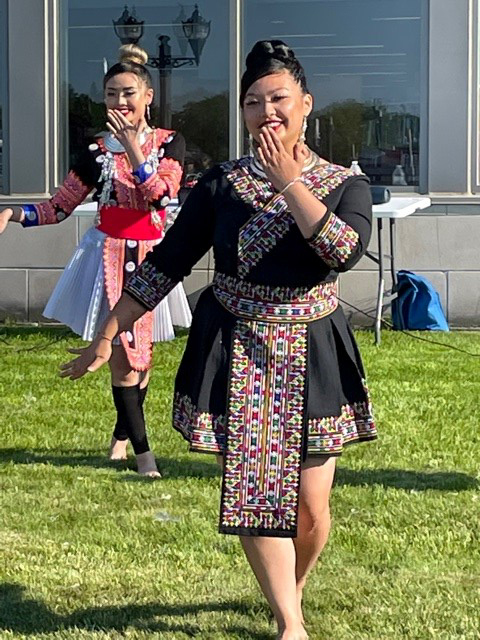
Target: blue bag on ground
x=418 y=304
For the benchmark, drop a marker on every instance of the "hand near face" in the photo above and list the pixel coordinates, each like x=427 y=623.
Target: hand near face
x=124 y=131
x=279 y=166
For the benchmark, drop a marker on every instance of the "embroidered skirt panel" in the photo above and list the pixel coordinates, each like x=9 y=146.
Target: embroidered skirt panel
x=267 y=394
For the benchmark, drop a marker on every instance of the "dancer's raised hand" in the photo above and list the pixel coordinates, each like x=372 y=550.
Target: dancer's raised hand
x=125 y=132
x=279 y=166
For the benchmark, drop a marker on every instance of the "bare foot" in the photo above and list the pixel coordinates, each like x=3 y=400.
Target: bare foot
x=118 y=449
x=293 y=634
x=146 y=465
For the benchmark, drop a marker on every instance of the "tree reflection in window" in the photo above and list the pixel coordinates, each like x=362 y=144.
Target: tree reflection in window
x=199 y=95
x=364 y=61
x=380 y=139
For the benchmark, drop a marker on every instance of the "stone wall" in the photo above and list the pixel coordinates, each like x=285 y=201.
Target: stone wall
x=441 y=243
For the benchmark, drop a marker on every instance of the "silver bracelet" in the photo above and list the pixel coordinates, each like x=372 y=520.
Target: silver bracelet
x=289 y=184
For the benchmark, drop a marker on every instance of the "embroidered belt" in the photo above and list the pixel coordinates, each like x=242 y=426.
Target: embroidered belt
x=275 y=304
x=130 y=224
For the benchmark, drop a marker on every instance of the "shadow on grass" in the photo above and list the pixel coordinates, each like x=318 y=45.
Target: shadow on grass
x=23 y=615
x=405 y=479
x=170 y=468
x=187 y=468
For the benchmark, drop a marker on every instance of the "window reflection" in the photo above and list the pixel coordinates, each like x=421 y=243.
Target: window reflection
x=194 y=99
x=362 y=59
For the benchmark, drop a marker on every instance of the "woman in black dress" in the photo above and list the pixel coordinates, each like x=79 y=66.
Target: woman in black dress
x=271 y=378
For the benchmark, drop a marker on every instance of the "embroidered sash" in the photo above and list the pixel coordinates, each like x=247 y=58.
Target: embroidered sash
x=264 y=431
x=266 y=407
x=275 y=304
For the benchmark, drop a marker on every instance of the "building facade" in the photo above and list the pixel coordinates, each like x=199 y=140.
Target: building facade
x=395 y=85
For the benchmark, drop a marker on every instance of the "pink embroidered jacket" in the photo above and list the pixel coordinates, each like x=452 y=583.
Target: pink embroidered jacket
x=110 y=174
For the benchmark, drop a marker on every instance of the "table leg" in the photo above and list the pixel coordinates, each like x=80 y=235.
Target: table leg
x=381 y=285
x=393 y=239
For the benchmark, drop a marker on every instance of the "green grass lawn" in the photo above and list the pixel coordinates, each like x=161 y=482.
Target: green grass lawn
x=90 y=550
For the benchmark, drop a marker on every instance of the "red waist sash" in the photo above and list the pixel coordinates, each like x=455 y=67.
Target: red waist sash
x=130 y=224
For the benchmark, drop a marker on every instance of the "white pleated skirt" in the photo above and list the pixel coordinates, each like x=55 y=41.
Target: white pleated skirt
x=79 y=299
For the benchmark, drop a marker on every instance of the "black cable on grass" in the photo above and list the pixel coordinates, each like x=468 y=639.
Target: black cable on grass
x=62 y=334
x=389 y=325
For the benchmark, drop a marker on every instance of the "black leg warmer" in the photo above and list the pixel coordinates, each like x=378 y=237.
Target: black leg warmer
x=128 y=402
x=120 y=431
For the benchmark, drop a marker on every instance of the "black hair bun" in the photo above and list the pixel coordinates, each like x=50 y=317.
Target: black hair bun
x=271 y=56
x=267 y=50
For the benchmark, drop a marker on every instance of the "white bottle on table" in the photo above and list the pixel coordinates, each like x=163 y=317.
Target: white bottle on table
x=398 y=176
x=356 y=168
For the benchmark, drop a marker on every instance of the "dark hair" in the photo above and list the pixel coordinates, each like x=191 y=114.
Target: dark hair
x=131 y=59
x=267 y=57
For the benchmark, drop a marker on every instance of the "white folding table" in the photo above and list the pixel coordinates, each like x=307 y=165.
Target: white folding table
x=397 y=207
x=90 y=208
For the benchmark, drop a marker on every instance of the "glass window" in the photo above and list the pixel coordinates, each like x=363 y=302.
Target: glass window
x=363 y=62
x=3 y=94
x=189 y=97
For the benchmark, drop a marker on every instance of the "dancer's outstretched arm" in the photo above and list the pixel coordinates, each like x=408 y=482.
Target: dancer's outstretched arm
x=11 y=214
x=91 y=358
x=189 y=238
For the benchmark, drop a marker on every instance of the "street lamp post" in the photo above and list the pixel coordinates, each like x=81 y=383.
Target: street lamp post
x=195 y=29
x=127 y=28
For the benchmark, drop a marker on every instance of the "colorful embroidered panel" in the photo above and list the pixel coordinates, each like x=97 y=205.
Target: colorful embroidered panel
x=72 y=192
x=335 y=242
x=165 y=179
x=252 y=189
x=138 y=341
x=149 y=286
x=204 y=431
x=272 y=221
x=265 y=424
x=275 y=304
x=329 y=435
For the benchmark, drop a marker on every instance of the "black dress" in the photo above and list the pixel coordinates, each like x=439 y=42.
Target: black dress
x=271 y=372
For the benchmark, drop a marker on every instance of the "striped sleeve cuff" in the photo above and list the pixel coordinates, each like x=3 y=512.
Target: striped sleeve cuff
x=148 y=286
x=335 y=242
x=31 y=216
x=143 y=172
